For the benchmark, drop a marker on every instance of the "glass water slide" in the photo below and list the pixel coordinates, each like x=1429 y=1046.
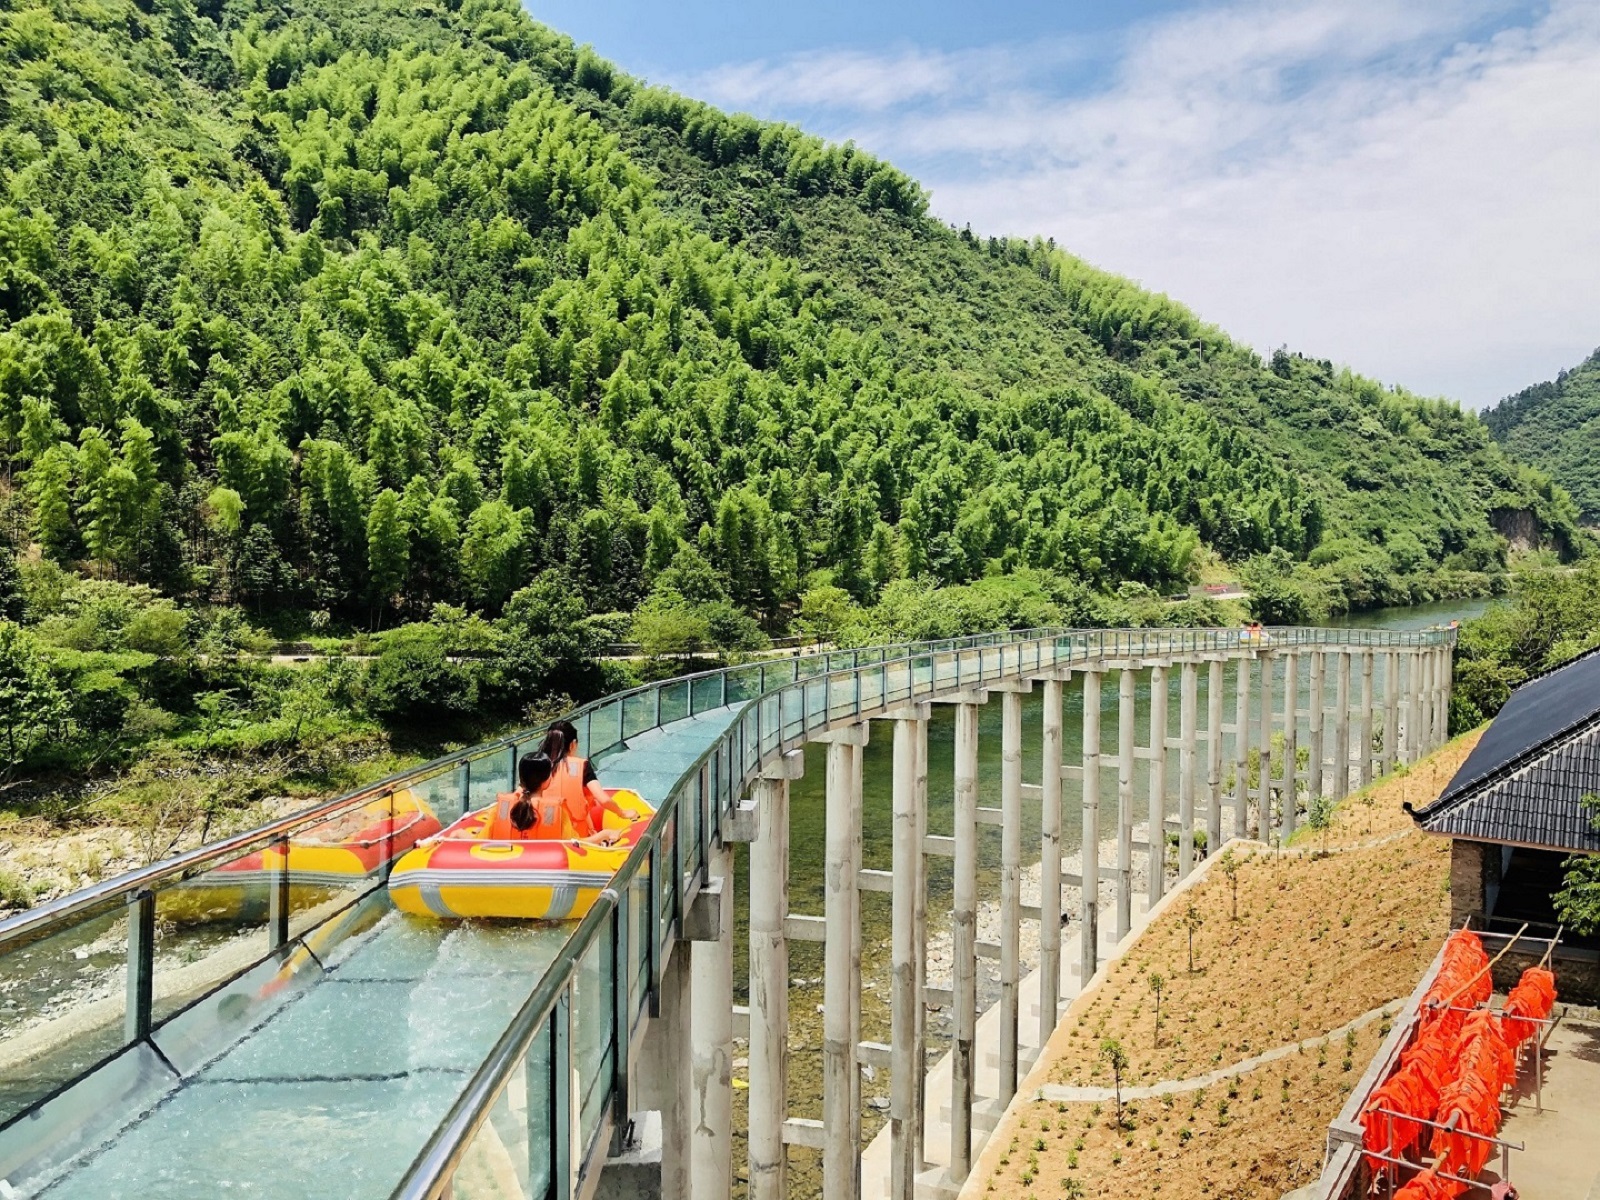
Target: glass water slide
x=224 y=1023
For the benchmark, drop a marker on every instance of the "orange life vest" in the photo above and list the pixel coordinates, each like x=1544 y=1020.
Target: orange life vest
x=566 y=788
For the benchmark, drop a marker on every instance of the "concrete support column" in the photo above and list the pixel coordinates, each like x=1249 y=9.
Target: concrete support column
x=1289 y=801
x=1156 y=835
x=1264 y=749
x=1416 y=739
x=964 y=941
x=1186 y=762
x=1125 y=732
x=711 y=1045
x=1010 y=886
x=907 y=936
x=1050 y=864
x=1391 y=713
x=1447 y=666
x=841 y=982
x=1315 y=770
x=1241 y=747
x=1405 y=685
x=1364 y=725
x=769 y=979
x=1341 y=729
x=1090 y=904
x=1440 y=692
x=1213 y=756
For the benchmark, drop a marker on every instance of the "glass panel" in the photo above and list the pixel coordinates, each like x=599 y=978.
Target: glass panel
x=80 y=1118
x=490 y=775
x=511 y=1155
x=214 y=926
x=442 y=795
x=592 y=1033
x=333 y=862
x=638 y=905
x=666 y=880
x=674 y=701
x=744 y=683
x=62 y=1000
x=605 y=729
x=707 y=693
x=638 y=713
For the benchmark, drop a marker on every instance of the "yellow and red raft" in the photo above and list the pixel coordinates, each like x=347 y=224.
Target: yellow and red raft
x=322 y=863
x=465 y=873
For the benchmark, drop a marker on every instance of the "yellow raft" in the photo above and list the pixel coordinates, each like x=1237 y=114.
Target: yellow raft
x=465 y=873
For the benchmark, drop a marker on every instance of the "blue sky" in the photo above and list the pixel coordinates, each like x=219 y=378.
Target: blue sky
x=1407 y=186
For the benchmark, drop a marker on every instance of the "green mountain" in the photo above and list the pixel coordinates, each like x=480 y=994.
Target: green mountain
x=1556 y=426
x=358 y=308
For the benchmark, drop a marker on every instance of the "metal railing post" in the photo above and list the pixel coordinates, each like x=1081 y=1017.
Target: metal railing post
x=653 y=914
x=621 y=1010
x=141 y=966
x=562 y=1119
x=278 y=899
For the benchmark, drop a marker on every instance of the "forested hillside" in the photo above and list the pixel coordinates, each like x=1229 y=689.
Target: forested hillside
x=322 y=318
x=1556 y=426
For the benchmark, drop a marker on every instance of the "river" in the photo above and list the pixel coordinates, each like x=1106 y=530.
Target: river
x=806 y=839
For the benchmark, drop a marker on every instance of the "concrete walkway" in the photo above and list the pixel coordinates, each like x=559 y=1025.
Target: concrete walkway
x=1056 y=1091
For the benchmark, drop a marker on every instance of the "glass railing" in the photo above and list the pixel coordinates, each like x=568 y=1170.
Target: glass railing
x=112 y=976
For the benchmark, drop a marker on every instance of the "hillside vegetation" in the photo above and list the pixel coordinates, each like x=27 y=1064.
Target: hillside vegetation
x=318 y=319
x=1556 y=426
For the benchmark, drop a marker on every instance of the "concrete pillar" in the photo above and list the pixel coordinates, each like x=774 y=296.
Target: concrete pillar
x=1214 y=756
x=1389 y=755
x=841 y=981
x=1156 y=836
x=905 y=1039
x=1364 y=725
x=1289 y=801
x=711 y=1045
x=1447 y=682
x=1241 y=746
x=1125 y=732
x=1442 y=722
x=769 y=979
x=1050 y=864
x=1416 y=737
x=1264 y=749
x=1315 y=710
x=964 y=941
x=1090 y=905
x=919 y=942
x=1341 y=729
x=1186 y=762
x=1010 y=886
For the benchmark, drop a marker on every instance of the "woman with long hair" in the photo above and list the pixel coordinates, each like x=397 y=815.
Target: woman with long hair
x=558 y=796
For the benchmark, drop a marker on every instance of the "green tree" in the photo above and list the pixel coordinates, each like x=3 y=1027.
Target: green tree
x=493 y=555
x=388 y=549
x=31 y=704
x=1117 y=1059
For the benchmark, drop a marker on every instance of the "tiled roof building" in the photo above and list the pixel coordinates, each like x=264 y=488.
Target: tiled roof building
x=1524 y=801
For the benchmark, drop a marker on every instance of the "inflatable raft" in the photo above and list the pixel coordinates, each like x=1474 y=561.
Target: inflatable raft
x=323 y=862
x=465 y=873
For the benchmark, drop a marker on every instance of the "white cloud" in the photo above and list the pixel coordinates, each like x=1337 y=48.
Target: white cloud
x=1381 y=183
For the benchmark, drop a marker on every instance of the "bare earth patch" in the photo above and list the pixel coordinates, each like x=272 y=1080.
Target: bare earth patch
x=1318 y=940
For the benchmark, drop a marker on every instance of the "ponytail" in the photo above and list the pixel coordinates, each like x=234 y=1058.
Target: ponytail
x=532 y=772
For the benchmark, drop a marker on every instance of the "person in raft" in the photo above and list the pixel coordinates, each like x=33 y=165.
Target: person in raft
x=558 y=796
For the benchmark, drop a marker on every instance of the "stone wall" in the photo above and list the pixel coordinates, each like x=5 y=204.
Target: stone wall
x=1474 y=879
